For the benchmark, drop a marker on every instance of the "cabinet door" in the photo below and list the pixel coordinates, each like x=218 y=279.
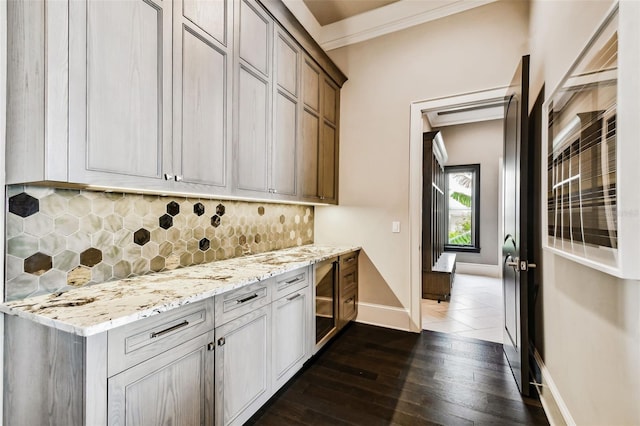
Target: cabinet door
x=286 y=106
x=243 y=366
x=309 y=170
x=290 y=325
x=202 y=77
x=175 y=388
x=329 y=143
x=120 y=92
x=253 y=117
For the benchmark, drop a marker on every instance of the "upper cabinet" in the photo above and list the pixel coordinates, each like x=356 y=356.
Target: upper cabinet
x=321 y=99
x=254 y=77
x=202 y=75
x=207 y=97
x=267 y=106
x=120 y=92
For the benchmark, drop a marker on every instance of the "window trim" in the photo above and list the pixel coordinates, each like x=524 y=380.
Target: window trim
x=475 y=207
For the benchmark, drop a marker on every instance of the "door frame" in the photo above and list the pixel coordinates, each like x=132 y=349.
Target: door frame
x=418 y=108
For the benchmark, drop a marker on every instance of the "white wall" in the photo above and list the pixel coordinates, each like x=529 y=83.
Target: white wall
x=480 y=143
x=474 y=50
x=591 y=321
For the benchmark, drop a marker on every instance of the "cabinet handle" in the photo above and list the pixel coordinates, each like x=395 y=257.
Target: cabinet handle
x=168 y=176
x=170 y=329
x=295 y=280
x=246 y=299
x=295 y=296
x=221 y=341
x=349 y=300
x=351 y=259
x=178 y=178
x=211 y=346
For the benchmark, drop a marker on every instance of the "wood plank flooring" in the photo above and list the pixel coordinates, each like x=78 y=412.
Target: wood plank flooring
x=376 y=376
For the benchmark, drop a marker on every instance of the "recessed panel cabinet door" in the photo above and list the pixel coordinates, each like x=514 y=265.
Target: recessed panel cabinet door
x=285 y=136
x=243 y=366
x=253 y=98
x=201 y=75
x=173 y=388
x=290 y=346
x=253 y=124
x=328 y=161
x=310 y=145
x=119 y=91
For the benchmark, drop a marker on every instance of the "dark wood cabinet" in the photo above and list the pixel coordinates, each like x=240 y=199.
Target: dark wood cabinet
x=438 y=267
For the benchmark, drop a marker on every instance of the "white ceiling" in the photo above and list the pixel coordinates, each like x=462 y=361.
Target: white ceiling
x=352 y=21
x=330 y=11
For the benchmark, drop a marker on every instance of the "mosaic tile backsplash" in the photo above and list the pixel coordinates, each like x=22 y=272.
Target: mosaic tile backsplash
x=61 y=238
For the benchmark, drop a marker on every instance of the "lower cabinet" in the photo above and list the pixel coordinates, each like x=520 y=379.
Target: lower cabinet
x=291 y=322
x=182 y=367
x=175 y=387
x=243 y=366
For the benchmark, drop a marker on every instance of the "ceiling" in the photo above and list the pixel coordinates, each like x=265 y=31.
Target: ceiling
x=330 y=11
x=337 y=23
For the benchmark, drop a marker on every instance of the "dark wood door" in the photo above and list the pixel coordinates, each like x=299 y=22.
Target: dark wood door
x=515 y=261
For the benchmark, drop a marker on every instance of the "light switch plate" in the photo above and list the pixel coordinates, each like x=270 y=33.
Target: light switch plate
x=395 y=227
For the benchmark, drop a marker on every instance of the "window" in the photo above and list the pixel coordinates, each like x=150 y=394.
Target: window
x=463 y=208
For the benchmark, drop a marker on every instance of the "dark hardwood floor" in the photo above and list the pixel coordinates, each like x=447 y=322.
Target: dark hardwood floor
x=376 y=376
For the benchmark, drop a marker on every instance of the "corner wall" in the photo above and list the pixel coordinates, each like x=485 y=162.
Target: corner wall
x=475 y=50
x=591 y=337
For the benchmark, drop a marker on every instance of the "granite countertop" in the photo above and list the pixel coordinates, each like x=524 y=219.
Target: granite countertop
x=93 y=309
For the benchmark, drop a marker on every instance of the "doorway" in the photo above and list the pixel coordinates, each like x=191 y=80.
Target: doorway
x=472 y=129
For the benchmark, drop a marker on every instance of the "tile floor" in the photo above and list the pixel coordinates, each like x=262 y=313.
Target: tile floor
x=474 y=310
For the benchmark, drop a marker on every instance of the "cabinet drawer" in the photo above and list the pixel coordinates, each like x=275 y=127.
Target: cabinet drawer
x=348 y=260
x=289 y=282
x=236 y=303
x=348 y=307
x=349 y=279
x=131 y=344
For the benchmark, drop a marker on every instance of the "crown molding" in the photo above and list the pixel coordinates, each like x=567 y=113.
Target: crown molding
x=305 y=17
x=384 y=20
x=394 y=17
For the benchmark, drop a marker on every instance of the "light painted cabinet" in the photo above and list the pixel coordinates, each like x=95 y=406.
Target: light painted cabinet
x=158 y=370
x=286 y=110
x=184 y=96
x=175 y=387
x=291 y=326
x=321 y=98
x=243 y=366
x=267 y=105
x=202 y=75
x=213 y=361
x=136 y=94
x=120 y=92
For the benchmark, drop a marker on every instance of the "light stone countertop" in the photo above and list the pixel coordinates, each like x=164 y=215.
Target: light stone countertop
x=96 y=308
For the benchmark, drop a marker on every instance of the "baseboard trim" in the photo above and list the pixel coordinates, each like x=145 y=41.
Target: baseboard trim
x=554 y=406
x=384 y=316
x=478 y=269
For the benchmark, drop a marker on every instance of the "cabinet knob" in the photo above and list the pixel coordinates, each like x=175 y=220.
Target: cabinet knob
x=168 y=176
x=221 y=341
x=211 y=346
x=178 y=178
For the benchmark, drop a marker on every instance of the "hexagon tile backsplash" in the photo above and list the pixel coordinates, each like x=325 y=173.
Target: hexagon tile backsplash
x=62 y=238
